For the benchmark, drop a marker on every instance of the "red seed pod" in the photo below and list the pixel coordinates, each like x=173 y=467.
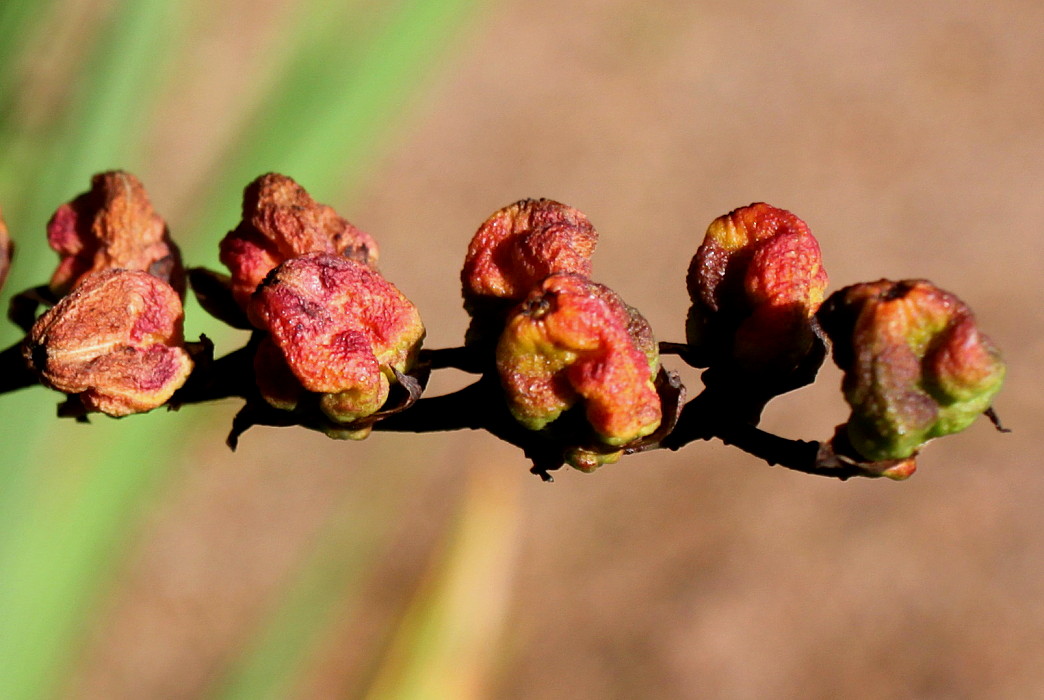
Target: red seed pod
x=916 y=366
x=113 y=225
x=6 y=250
x=340 y=328
x=115 y=341
x=282 y=221
x=521 y=244
x=755 y=283
x=574 y=340
x=514 y=250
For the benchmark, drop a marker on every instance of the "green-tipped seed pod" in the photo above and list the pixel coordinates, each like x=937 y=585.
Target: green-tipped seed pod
x=573 y=340
x=916 y=366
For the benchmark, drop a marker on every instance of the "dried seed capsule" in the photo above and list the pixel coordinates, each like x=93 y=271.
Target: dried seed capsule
x=755 y=283
x=574 y=340
x=514 y=250
x=340 y=328
x=916 y=366
x=115 y=341
x=282 y=221
x=111 y=226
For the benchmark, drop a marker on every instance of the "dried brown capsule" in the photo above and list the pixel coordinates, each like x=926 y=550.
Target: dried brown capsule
x=514 y=250
x=340 y=329
x=573 y=340
x=755 y=283
x=916 y=366
x=111 y=226
x=282 y=221
x=115 y=341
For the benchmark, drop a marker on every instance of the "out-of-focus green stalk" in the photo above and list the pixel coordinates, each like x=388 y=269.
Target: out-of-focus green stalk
x=445 y=645
x=272 y=662
x=18 y=19
x=63 y=548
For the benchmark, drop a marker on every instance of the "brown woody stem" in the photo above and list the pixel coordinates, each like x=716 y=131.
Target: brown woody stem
x=14 y=372
x=722 y=411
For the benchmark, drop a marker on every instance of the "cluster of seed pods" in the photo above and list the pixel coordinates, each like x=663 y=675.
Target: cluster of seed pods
x=337 y=347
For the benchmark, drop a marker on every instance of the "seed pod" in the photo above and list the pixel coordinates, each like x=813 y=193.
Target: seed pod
x=6 y=250
x=574 y=340
x=916 y=366
x=340 y=328
x=113 y=225
x=755 y=283
x=115 y=341
x=513 y=251
x=282 y=221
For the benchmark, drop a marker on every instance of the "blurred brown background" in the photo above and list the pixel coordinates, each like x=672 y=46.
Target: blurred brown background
x=910 y=136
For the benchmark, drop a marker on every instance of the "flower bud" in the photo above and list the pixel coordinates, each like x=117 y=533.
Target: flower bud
x=113 y=225
x=574 y=340
x=282 y=221
x=514 y=250
x=916 y=366
x=755 y=283
x=6 y=250
x=340 y=329
x=115 y=341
